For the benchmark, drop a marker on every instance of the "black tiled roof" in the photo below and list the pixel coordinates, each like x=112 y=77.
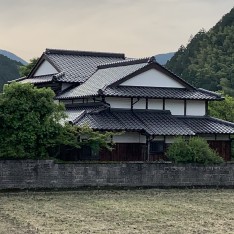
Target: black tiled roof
x=155 y=123
x=75 y=112
x=78 y=66
x=102 y=121
x=153 y=92
x=37 y=79
x=102 y=78
x=208 y=125
x=85 y=53
x=163 y=123
x=152 y=123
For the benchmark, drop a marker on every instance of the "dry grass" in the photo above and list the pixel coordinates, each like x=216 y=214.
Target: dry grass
x=120 y=211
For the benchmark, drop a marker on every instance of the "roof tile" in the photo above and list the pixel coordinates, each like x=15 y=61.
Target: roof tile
x=154 y=92
x=100 y=79
x=79 y=65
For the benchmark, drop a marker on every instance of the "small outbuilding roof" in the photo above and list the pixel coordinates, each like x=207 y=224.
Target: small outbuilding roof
x=37 y=79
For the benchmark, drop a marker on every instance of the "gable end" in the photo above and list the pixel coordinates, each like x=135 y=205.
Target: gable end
x=136 y=78
x=52 y=69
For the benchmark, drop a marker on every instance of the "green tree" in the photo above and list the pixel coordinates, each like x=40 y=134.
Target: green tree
x=25 y=70
x=223 y=109
x=31 y=124
x=9 y=70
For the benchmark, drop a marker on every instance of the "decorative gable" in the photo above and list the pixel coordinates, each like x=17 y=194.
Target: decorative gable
x=152 y=78
x=45 y=68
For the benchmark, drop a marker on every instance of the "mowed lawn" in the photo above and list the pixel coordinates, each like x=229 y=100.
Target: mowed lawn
x=118 y=211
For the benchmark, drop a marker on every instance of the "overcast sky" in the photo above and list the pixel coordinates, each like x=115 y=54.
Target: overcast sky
x=137 y=28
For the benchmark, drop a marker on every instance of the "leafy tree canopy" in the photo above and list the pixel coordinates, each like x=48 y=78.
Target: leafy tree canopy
x=30 y=123
x=208 y=59
x=25 y=70
x=223 y=109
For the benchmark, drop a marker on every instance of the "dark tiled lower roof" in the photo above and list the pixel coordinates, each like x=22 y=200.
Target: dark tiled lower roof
x=102 y=121
x=163 y=123
x=74 y=113
x=151 y=122
x=37 y=79
x=208 y=125
x=155 y=123
x=153 y=92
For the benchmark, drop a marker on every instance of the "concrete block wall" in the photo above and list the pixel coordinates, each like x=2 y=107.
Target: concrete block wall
x=46 y=174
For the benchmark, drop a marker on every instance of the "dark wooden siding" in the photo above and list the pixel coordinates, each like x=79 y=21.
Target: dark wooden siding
x=125 y=152
x=223 y=148
x=134 y=152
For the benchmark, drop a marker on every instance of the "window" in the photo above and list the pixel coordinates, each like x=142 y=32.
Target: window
x=156 y=147
x=87 y=153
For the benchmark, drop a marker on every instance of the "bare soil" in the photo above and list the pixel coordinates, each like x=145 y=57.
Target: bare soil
x=118 y=211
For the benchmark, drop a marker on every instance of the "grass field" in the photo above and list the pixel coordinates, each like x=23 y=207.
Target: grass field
x=118 y=211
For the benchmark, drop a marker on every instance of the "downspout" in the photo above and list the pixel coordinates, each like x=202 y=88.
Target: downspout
x=148 y=140
x=206 y=108
x=147 y=148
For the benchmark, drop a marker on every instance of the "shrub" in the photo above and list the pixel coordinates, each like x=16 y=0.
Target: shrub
x=194 y=150
x=179 y=151
x=202 y=153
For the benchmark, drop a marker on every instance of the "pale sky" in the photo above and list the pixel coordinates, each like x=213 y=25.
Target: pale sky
x=138 y=28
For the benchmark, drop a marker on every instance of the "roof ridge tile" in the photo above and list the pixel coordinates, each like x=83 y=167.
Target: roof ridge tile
x=84 y=53
x=124 y=63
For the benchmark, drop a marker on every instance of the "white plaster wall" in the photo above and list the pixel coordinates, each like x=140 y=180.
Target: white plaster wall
x=158 y=138
x=66 y=101
x=130 y=137
x=222 y=138
x=90 y=100
x=141 y=104
x=155 y=104
x=124 y=103
x=208 y=137
x=65 y=86
x=175 y=106
x=219 y=137
x=45 y=69
x=78 y=100
x=196 y=108
x=152 y=78
x=169 y=139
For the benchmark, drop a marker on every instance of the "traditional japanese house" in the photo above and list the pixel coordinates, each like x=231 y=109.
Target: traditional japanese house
x=138 y=97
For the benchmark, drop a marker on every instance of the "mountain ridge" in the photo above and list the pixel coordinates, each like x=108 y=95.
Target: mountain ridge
x=163 y=58
x=12 y=56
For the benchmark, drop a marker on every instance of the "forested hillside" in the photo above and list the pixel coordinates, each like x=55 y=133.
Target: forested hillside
x=9 y=70
x=208 y=60
x=12 y=56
